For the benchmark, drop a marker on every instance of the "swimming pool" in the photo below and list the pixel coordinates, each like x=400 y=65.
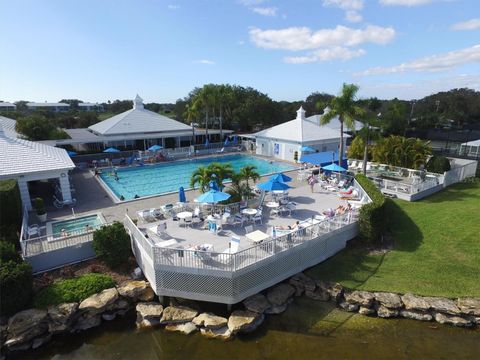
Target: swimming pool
x=163 y=178
x=74 y=226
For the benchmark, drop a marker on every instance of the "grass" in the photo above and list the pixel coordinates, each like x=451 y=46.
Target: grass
x=73 y=290
x=436 y=249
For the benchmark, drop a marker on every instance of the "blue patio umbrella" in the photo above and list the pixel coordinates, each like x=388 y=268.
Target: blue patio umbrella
x=72 y=153
x=333 y=167
x=235 y=140
x=207 y=142
x=181 y=195
x=227 y=142
x=212 y=197
x=280 y=177
x=111 y=150
x=307 y=149
x=213 y=185
x=273 y=185
x=155 y=148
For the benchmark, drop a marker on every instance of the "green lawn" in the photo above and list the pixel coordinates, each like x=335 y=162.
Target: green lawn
x=436 y=251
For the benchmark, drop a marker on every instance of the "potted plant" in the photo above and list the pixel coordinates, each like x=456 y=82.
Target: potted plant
x=39 y=206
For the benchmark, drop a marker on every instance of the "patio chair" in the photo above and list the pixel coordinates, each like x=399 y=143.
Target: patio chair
x=248 y=229
x=291 y=207
x=33 y=231
x=257 y=217
x=239 y=219
x=145 y=215
x=233 y=245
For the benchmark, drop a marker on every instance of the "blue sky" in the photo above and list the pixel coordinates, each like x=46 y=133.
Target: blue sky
x=112 y=49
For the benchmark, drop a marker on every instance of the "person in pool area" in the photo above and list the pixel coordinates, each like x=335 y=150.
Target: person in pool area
x=122 y=197
x=88 y=228
x=63 y=233
x=136 y=196
x=289 y=227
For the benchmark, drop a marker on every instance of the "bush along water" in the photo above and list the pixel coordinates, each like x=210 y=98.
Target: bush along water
x=112 y=244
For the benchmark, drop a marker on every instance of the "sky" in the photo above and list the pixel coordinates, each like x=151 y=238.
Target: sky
x=103 y=50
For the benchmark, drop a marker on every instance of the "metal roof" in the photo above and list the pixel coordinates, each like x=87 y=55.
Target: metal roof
x=39 y=104
x=334 y=123
x=20 y=157
x=8 y=126
x=472 y=143
x=4 y=104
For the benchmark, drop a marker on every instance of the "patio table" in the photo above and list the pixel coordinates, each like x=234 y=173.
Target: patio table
x=184 y=215
x=257 y=236
x=272 y=204
x=249 y=212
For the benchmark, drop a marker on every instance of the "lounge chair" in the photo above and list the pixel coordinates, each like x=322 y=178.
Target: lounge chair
x=233 y=245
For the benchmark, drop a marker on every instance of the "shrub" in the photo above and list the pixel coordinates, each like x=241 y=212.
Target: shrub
x=39 y=206
x=8 y=253
x=371 y=216
x=73 y=290
x=10 y=220
x=438 y=164
x=112 y=244
x=16 y=282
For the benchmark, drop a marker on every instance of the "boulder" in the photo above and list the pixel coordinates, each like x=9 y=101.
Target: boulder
x=25 y=326
x=363 y=298
x=39 y=341
x=100 y=302
x=136 y=290
x=210 y=321
x=443 y=305
x=257 y=303
x=87 y=321
x=276 y=309
x=318 y=294
x=389 y=300
x=302 y=283
x=223 y=333
x=366 y=310
x=335 y=290
x=348 y=307
x=385 y=312
x=279 y=294
x=185 y=328
x=60 y=317
x=241 y=321
x=177 y=315
x=469 y=306
x=416 y=315
x=414 y=302
x=148 y=314
x=452 y=320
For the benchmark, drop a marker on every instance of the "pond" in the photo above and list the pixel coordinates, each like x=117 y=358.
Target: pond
x=307 y=330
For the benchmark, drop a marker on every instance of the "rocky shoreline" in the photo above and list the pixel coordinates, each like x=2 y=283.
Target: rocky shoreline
x=30 y=329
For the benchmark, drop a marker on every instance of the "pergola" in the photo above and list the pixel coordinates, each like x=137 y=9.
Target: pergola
x=25 y=161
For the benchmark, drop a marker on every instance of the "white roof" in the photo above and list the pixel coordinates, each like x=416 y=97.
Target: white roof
x=88 y=104
x=37 y=104
x=4 y=103
x=299 y=130
x=334 y=123
x=472 y=143
x=137 y=120
x=18 y=157
x=8 y=126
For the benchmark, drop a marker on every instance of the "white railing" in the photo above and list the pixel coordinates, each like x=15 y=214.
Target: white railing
x=45 y=244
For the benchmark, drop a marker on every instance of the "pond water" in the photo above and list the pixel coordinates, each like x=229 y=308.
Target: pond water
x=307 y=330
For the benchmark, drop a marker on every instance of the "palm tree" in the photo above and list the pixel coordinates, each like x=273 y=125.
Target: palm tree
x=220 y=172
x=239 y=190
x=202 y=177
x=249 y=172
x=345 y=108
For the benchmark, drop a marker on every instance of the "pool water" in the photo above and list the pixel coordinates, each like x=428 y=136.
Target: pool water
x=164 y=178
x=76 y=226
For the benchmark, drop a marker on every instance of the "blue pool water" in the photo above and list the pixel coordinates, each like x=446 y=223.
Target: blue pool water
x=76 y=226
x=163 y=178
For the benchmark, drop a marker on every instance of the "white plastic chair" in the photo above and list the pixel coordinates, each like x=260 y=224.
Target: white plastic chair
x=248 y=229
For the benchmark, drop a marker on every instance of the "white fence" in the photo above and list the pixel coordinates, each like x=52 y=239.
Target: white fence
x=461 y=169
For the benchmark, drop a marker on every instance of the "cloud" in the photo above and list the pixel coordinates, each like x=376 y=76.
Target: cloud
x=351 y=7
x=265 y=11
x=472 y=24
x=173 y=7
x=205 y=62
x=405 y=2
x=251 y=2
x=329 y=54
x=303 y=38
x=353 y=16
x=440 y=62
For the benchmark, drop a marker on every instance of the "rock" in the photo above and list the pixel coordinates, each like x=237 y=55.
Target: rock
x=25 y=326
x=443 y=305
x=319 y=294
x=210 y=321
x=87 y=321
x=148 y=314
x=276 y=309
x=452 y=320
x=121 y=304
x=414 y=302
x=100 y=302
x=279 y=294
x=416 y=315
x=469 y=306
x=177 y=315
x=60 y=317
x=257 y=303
x=335 y=290
x=241 y=321
x=39 y=341
x=136 y=290
x=366 y=310
x=109 y=316
x=186 y=328
x=223 y=333
x=363 y=298
x=389 y=300
x=302 y=283
x=385 y=312
x=348 y=307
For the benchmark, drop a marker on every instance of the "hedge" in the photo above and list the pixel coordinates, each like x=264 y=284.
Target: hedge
x=112 y=244
x=371 y=216
x=10 y=210
x=73 y=290
x=438 y=164
x=16 y=282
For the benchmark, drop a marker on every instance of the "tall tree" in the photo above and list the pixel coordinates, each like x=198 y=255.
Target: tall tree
x=345 y=108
